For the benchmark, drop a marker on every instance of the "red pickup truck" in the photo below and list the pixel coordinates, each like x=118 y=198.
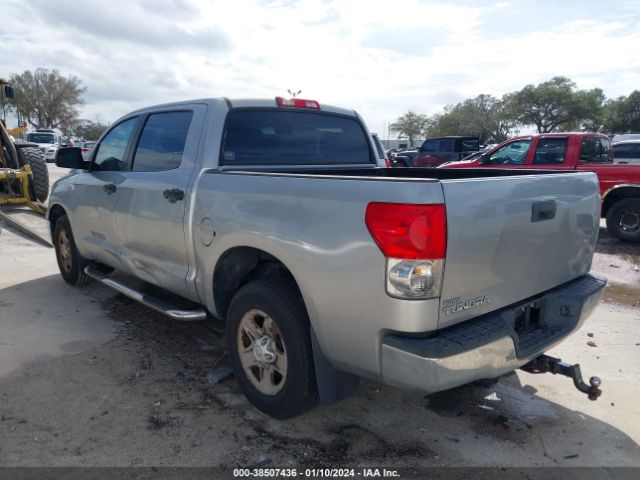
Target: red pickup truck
x=619 y=183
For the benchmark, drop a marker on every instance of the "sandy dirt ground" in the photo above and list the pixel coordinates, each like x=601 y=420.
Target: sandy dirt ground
x=90 y=378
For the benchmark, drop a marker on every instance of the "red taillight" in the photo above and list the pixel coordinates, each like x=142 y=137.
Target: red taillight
x=387 y=163
x=297 y=102
x=417 y=232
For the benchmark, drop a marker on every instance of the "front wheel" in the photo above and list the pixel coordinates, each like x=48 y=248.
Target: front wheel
x=270 y=347
x=70 y=262
x=623 y=219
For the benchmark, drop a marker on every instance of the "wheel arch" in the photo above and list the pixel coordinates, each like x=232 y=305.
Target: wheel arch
x=54 y=212
x=616 y=193
x=240 y=265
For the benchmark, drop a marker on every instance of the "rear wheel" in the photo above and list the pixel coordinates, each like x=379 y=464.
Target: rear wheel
x=270 y=347
x=70 y=262
x=34 y=158
x=623 y=219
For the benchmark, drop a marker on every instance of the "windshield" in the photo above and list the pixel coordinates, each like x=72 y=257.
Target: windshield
x=40 y=137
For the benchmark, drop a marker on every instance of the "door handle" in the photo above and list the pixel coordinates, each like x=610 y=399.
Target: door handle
x=541 y=211
x=109 y=188
x=173 y=194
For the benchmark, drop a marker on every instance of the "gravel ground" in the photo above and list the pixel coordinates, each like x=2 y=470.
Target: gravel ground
x=89 y=378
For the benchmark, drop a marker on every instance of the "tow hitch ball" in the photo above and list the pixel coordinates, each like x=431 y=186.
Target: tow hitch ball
x=546 y=364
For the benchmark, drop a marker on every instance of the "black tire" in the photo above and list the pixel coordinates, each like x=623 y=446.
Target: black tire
x=36 y=161
x=623 y=219
x=70 y=262
x=280 y=299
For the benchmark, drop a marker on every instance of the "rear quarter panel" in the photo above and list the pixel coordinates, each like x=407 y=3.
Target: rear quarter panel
x=316 y=228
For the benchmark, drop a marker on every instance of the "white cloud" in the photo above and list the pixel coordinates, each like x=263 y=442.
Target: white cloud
x=381 y=58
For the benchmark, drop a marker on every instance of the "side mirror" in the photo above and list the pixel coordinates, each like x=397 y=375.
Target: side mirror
x=71 y=157
x=484 y=159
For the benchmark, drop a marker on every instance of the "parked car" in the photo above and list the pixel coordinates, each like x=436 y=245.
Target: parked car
x=276 y=216
x=627 y=151
x=435 y=151
x=404 y=158
x=587 y=152
x=47 y=141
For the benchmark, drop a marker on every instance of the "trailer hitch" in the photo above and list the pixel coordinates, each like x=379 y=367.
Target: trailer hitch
x=547 y=364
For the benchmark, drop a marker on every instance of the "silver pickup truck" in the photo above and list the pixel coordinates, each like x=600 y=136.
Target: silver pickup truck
x=278 y=217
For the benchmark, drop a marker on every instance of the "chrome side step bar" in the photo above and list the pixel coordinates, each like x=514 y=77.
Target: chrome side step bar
x=146 y=299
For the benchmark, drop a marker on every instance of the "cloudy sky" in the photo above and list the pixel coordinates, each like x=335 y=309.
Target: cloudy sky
x=381 y=58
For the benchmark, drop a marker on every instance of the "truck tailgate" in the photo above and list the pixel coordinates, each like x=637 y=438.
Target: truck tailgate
x=511 y=238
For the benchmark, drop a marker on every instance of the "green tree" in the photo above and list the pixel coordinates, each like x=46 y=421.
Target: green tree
x=88 y=130
x=411 y=126
x=47 y=99
x=484 y=116
x=554 y=104
x=622 y=115
x=591 y=103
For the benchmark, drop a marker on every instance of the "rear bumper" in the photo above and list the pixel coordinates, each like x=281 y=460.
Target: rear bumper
x=489 y=346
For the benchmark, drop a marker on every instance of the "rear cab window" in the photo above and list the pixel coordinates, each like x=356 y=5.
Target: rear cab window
x=282 y=137
x=595 y=150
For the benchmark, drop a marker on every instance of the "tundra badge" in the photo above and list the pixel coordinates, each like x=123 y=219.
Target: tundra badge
x=455 y=305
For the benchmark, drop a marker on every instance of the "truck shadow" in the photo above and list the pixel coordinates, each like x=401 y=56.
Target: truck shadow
x=152 y=357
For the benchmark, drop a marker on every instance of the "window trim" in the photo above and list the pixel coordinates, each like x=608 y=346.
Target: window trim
x=223 y=138
x=138 y=136
x=127 y=148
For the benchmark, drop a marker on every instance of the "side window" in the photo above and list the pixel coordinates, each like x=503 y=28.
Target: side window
x=470 y=145
x=379 y=149
x=624 y=151
x=430 y=146
x=595 y=150
x=162 y=142
x=446 y=145
x=550 y=151
x=110 y=151
x=513 y=153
